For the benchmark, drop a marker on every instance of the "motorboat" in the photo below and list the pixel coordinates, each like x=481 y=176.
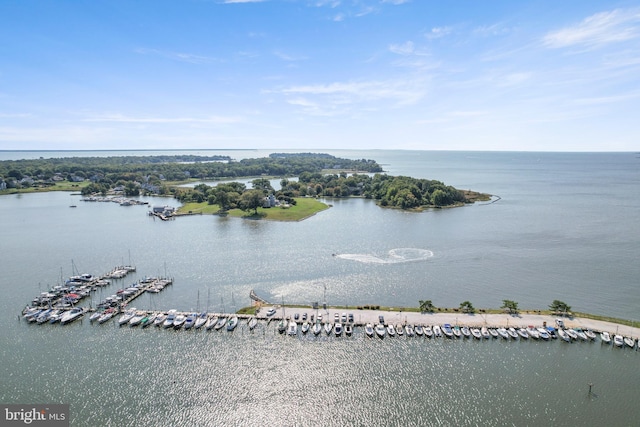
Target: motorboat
x=428 y=332
x=348 y=329
x=201 y=320
x=572 y=334
x=190 y=321
x=337 y=329
x=292 y=328
x=253 y=322
x=148 y=320
x=43 y=316
x=282 y=326
x=605 y=337
x=447 y=331
x=513 y=333
x=618 y=341
x=564 y=335
x=630 y=342
x=328 y=327
x=476 y=333
x=552 y=332
x=485 y=332
x=232 y=323
x=317 y=328
x=408 y=329
x=544 y=334
x=160 y=318
x=418 y=330
x=503 y=333
x=223 y=321
x=71 y=315
x=456 y=331
x=211 y=323
x=168 y=321
x=106 y=315
x=380 y=330
x=590 y=334
x=95 y=315
x=126 y=316
x=465 y=332
x=581 y=334
x=523 y=333
x=179 y=320
x=399 y=330
x=368 y=329
x=391 y=331
x=533 y=332
x=55 y=317
x=493 y=332
x=437 y=332
x=137 y=319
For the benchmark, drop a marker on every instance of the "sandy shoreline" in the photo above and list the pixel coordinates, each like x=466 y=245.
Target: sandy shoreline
x=362 y=317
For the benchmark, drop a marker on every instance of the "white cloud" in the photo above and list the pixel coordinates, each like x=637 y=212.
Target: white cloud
x=406 y=48
x=177 y=56
x=597 y=30
x=120 y=118
x=242 y=1
x=438 y=32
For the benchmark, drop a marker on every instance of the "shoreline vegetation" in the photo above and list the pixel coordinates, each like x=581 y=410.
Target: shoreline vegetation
x=303 y=178
x=495 y=317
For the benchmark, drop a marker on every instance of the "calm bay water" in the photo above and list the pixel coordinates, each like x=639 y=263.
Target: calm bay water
x=566 y=227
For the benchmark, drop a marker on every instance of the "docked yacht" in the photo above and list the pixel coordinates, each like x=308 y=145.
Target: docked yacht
x=503 y=333
x=168 y=321
x=127 y=316
x=71 y=315
x=211 y=322
x=253 y=322
x=391 y=331
x=190 y=321
x=337 y=329
x=179 y=320
x=201 y=320
x=137 y=319
x=446 y=329
x=380 y=330
x=292 y=329
x=328 y=327
x=232 y=323
x=605 y=337
x=317 y=328
x=368 y=329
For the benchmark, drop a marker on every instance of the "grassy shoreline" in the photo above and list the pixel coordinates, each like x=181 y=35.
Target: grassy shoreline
x=304 y=208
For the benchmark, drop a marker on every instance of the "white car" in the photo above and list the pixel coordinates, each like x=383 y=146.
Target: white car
x=271 y=312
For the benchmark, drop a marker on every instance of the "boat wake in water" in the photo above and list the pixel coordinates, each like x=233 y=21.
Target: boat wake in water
x=394 y=256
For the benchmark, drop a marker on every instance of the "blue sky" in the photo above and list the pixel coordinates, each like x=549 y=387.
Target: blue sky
x=357 y=74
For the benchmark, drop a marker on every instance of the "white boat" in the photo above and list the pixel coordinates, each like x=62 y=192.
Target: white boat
x=292 y=329
x=95 y=316
x=106 y=315
x=348 y=329
x=476 y=333
x=317 y=328
x=43 y=316
x=590 y=334
x=563 y=335
x=253 y=322
x=503 y=333
x=201 y=320
x=485 y=332
x=428 y=332
x=523 y=333
x=618 y=341
x=419 y=331
x=512 y=333
x=391 y=331
x=572 y=334
x=581 y=334
x=533 y=332
x=399 y=330
x=211 y=323
x=465 y=332
x=126 y=316
x=368 y=329
x=137 y=319
x=544 y=334
x=328 y=327
x=232 y=323
x=630 y=342
x=149 y=320
x=160 y=318
x=179 y=320
x=437 y=332
x=380 y=329
x=408 y=329
x=605 y=337
x=456 y=331
x=493 y=332
x=223 y=321
x=282 y=326
x=447 y=331
x=190 y=321
x=337 y=329
x=71 y=315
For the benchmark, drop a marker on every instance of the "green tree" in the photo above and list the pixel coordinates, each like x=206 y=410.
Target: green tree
x=426 y=306
x=262 y=184
x=467 y=307
x=559 y=307
x=510 y=306
x=251 y=200
x=131 y=189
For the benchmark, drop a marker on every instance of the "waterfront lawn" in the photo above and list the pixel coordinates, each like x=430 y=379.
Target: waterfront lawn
x=304 y=208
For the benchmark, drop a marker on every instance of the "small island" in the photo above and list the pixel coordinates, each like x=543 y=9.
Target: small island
x=304 y=177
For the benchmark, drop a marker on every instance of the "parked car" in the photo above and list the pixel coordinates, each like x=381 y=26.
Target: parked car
x=271 y=312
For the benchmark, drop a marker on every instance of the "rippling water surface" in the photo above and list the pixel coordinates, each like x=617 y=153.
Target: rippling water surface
x=565 y=228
